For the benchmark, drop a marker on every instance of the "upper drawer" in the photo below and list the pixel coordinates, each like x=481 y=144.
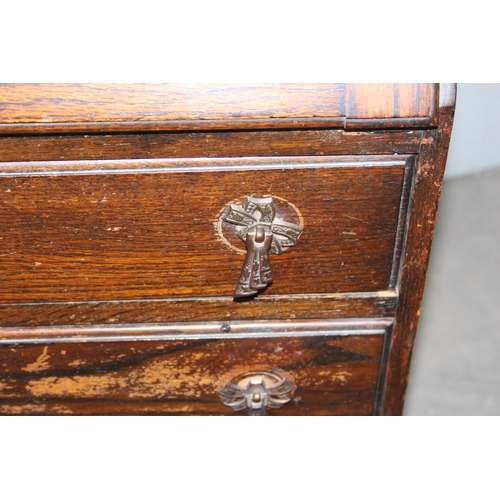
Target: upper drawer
x=39 y=108
x=122 y=230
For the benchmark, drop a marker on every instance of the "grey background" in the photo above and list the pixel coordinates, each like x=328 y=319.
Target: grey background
x=456 y=361
x=475 y=142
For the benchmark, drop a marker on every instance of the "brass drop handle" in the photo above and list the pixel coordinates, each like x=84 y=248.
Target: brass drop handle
x=257 y=391
x=263 y=234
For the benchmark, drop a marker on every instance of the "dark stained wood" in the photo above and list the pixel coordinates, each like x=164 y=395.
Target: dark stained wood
x=426 y=193
x=334 y=375
x=403 y=216
x=92 y=231
x=208 y=145
x=187 y=330
x=115 y=286
x=171 y=125
x=326 y=306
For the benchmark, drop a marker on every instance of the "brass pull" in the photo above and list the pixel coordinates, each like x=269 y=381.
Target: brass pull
x=263 y=234
x=257 y=391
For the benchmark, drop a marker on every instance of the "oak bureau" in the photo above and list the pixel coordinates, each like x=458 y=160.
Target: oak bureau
x=209 y=249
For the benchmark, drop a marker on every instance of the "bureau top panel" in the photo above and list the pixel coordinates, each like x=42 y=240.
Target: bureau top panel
x=55 y=108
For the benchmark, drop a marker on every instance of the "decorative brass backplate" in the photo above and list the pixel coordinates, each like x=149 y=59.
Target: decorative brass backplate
x=256 y=391
x=263 y=234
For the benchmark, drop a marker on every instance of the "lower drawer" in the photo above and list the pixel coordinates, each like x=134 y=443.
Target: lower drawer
x=295 y=369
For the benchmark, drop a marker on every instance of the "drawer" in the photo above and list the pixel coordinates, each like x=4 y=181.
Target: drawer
x=320 y=369
x=154 y=229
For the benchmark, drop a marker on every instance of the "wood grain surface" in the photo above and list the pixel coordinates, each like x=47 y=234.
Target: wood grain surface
x=207 y=144
x=94 y=231
x=326 y=306
x=388 y=100
x=427 y=183
x=334 y=375
x=52 y=108
x=24 y=103
x=113 y=272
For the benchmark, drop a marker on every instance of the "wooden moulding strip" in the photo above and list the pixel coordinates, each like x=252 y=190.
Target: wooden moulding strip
x=264 y=143
x=202 y=330
x=38 y=168
x=309 y=307
x=174 y=125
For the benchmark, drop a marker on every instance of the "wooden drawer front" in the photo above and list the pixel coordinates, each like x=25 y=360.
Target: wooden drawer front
x=332 y=374
x=133 y=230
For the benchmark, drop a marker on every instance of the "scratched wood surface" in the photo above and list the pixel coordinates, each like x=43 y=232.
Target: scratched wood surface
x=333 y=375
x=207 y=144
x=110 y=235
x=139 y=271
x=377 y=305
x=428 y=183
x=46 y=108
